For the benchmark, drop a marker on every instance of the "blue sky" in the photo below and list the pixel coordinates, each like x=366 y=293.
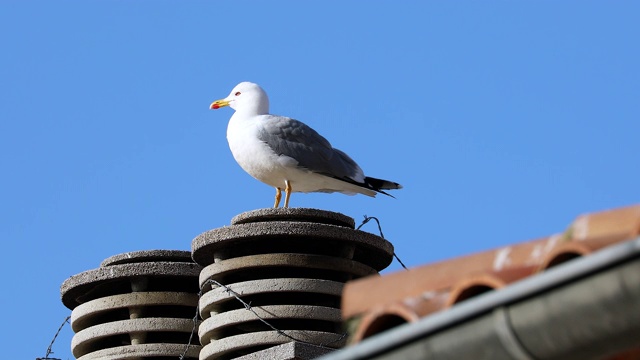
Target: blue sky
x=503 y=120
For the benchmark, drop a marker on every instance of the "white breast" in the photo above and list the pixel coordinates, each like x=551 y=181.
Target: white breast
x=253 y=155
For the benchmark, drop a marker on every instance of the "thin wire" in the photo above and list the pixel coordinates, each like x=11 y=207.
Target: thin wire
x=193 y=330
x=49 y=351
x=366 y=220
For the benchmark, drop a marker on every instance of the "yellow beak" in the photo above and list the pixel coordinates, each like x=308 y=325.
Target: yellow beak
x=218 y=104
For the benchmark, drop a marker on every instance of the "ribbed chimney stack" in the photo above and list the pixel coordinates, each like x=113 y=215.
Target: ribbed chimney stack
x=136 y=305
x=285 y=267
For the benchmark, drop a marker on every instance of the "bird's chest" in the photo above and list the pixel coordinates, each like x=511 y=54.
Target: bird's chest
x=253 y=155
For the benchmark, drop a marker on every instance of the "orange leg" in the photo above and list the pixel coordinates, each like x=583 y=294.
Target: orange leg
x=278 y=197
x=287 y=193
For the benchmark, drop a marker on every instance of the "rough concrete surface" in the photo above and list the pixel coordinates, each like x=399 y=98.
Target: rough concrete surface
x=245 y=342
x=256 y=263
x=371 y=250
x=75 y=288
x=294 y=214
x=148 y=256
x=84 y=315
x=144 y=351
x=211 y=301
x=290 y=351
x=212 y=327
x=82 y=342
x=175 y=264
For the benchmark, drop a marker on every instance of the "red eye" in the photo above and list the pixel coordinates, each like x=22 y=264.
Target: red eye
x=238 y=93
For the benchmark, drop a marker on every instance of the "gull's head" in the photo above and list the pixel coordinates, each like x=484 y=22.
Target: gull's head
x=246 y=97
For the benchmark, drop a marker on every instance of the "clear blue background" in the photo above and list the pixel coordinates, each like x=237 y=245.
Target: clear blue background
x=504 y=120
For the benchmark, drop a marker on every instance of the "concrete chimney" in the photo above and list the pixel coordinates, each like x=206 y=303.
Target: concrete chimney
x=272 y=282
x=136 y=305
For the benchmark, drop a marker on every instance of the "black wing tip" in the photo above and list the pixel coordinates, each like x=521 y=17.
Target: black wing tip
x=377 y=185
x=380 y=184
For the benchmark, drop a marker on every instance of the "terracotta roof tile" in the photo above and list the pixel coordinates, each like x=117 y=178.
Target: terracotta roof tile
x=379 y=303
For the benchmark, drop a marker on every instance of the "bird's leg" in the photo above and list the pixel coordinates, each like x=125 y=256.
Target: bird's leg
x=287 y=193
x=278 y=197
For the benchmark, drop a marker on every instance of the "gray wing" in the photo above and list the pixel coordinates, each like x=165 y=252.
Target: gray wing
x=293 y=138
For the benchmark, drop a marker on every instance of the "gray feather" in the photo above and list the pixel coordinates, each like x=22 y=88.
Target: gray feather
x=293 y=138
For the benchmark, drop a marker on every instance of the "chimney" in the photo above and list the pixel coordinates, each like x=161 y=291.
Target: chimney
x=272 y=282
x=135 y=305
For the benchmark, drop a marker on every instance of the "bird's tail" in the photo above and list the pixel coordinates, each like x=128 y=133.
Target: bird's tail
x=380 y=184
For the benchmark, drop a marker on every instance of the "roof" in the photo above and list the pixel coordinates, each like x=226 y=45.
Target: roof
x=375 y=304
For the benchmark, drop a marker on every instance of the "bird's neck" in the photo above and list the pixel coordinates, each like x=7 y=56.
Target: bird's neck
x=253 y=111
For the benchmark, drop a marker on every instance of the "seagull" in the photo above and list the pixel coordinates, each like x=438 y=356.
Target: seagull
x=288 y=154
